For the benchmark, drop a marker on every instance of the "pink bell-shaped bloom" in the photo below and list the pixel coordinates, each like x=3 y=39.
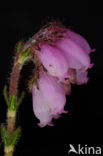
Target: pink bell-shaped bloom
x=53 y=60
x=66 y=57
x=69 y=52
x=75 y=54
x=49 y=100
x=80 y=41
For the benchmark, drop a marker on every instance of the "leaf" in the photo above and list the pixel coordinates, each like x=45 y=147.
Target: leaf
x=24 y=56
x=6 y=95
x=13 y=139
x=27 y=52
x=20 y=99
x=19 y=47
x=4 y=135
x=12 y=103
x=9 y=140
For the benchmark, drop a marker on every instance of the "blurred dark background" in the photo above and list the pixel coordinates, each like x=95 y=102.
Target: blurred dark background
x=83 y=123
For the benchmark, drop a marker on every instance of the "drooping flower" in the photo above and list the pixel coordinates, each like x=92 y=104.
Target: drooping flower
x=49 y=100
x=54 y=61
x=75 y=54
x=76 y=49
x=65 y=57
x=71 y=51
x=79 y=40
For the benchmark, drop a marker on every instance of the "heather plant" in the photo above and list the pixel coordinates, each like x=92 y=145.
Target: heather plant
x=61 y=58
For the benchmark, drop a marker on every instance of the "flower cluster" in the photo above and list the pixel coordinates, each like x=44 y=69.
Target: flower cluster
x=65 y=58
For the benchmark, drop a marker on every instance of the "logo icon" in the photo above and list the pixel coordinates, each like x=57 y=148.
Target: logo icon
x=72 y=149
x=85 y=150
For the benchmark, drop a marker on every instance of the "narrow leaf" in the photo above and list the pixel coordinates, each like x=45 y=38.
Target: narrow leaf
x=13 y=139
x=26 y=53
x=20 y=99
x=4 y=135
x=6 y=95
x=12 y=103
x=19 y=46
x=24 y=56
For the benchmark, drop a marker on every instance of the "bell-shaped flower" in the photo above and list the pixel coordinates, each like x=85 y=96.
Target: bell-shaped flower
x=54 y=61
x=80 y=41
x=75 y=54
x=69 y=52
x=49 y=99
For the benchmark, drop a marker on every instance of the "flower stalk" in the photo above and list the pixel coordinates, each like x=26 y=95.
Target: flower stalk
x=8 y=133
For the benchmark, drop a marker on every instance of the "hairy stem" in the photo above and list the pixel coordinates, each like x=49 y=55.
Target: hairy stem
x=10 y=135
x=11 y=123
x=11 y=116
x=14 y=79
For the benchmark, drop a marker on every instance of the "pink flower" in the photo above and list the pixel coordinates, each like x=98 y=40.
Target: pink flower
x=65 y=56
x=74 y=53
x=49 y=100
x=54 y=61
x=69 y=52
x=76 y=49
x=79 y=40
